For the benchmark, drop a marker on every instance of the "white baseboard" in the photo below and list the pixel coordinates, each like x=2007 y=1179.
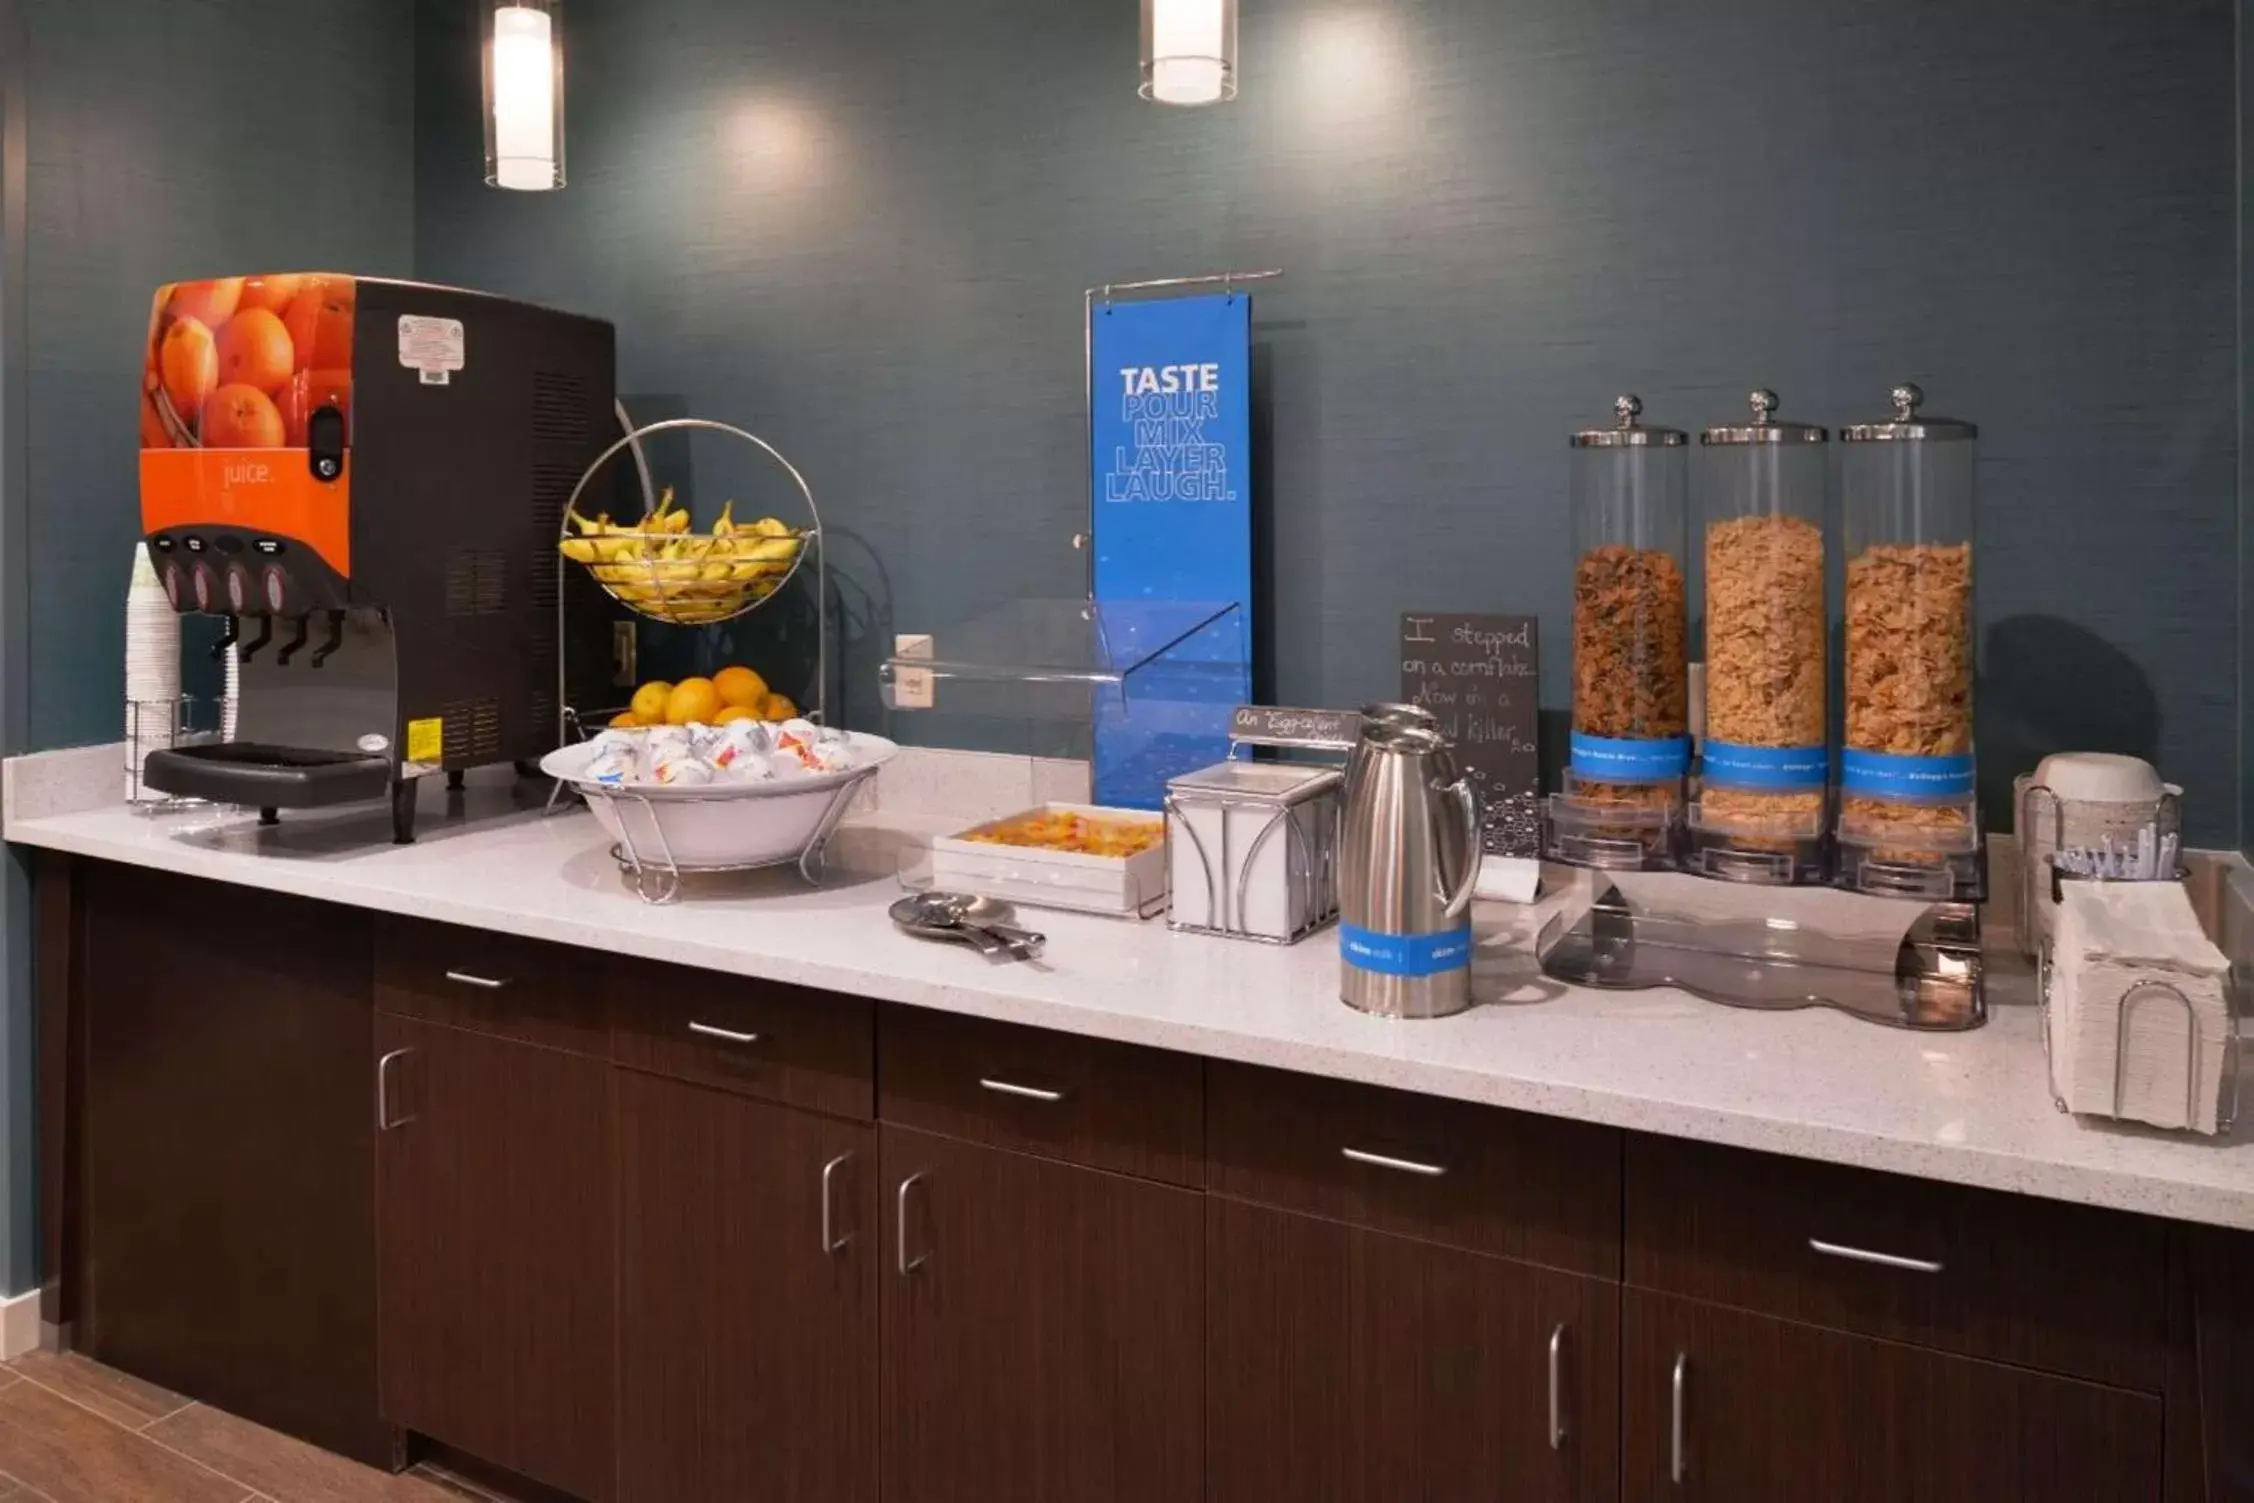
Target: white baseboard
x=19 y=1326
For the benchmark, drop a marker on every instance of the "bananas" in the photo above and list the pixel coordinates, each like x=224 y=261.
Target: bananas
x=662 y=569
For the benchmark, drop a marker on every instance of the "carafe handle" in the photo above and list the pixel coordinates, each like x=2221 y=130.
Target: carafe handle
x=1460 y=901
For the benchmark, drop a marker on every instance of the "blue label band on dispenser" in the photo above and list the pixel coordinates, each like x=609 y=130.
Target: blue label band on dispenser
x=1615 y=760
x=1881 y=775
x=1729 y=765
x=1405 y=954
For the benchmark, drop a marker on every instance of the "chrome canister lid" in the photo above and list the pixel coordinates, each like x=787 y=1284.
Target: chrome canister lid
x=1764 y=429
x=1906 y=423
x=1626 y=431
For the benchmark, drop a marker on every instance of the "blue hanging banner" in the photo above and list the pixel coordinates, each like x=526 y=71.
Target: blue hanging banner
x=1171 y=437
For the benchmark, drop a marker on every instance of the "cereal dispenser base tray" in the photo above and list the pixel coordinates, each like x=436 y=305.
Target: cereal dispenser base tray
x=1900 y=964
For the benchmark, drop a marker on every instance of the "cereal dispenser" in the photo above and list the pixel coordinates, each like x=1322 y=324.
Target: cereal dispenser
x=1621 y=804
x=1908 y=820
x=1760 y=815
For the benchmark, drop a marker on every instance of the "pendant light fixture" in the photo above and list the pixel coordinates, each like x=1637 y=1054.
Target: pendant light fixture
x=1189 y=51
x=524 y=93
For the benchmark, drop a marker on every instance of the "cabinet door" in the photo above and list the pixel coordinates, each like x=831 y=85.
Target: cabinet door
x=227 y=1171
x=748 y=1252
x=496 y=1250
x=1770 y=1410
x=1352 y=1366
x=1043 y=1330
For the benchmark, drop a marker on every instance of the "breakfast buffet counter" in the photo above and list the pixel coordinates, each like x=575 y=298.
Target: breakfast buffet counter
x=1970 y=1108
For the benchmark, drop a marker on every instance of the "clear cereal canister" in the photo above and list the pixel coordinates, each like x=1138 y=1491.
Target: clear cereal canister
x=1622 y=800
x=1760 y=815
x=1908 y=820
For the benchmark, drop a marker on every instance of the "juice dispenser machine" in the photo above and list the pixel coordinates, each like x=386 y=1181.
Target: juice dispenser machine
x=365 y=478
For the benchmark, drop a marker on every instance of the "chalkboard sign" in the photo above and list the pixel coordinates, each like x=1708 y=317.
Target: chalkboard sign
x=1274 y=725
x=1479 y=675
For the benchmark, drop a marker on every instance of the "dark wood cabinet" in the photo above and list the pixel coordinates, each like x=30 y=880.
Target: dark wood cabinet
x=225 y=1226
x=748 y=1260
x=1724 y=1405
x=1345 y=1365
x=1043 y=1330
x=497 y=1250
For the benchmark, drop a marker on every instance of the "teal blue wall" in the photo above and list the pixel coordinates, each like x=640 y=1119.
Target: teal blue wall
x=863 y=230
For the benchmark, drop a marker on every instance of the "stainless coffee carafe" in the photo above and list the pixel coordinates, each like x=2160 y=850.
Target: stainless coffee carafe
x=1408 y=856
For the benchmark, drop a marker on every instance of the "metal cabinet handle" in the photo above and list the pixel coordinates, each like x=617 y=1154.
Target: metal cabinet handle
x=470 y=978
x=384 y=1120
x=1011 y=1088
x=727 y=1035
x=832 y=1245
x=906 y=1264
x=1557 y=1389
x=1385 y=1161
x=1678 y=1465
x=1865 y=1255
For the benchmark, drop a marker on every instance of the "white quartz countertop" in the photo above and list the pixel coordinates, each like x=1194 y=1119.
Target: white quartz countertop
x=1970 y=1108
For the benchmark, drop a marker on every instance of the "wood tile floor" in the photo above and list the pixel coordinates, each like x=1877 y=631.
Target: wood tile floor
x=73 y=1431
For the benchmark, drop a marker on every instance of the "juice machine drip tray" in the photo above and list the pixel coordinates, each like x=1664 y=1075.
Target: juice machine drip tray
x=268 y=777
x=1907 y=965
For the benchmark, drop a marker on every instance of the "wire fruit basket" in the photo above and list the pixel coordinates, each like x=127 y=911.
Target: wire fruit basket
x=659 y=568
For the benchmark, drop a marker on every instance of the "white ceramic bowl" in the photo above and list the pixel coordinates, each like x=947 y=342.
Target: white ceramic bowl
x=2100 y=778
x=718 y=825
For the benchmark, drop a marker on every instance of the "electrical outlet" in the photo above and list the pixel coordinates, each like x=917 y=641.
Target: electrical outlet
x=911 y=687
x=622 y=653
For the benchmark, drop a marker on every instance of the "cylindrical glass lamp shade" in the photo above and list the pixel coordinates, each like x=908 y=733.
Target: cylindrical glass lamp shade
x=1189 y=51
x=524 y=93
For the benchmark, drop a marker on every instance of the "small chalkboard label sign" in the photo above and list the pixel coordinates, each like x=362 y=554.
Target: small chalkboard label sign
x=1479 y=676
x=1313 y=730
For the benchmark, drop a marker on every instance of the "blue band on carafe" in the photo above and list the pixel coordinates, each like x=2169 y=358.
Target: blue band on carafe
x=1405 y=954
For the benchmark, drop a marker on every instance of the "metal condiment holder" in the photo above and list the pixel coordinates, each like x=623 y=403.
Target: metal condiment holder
x=1256 y=726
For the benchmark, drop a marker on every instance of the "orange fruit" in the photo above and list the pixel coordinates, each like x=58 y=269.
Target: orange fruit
x=319 y=322
x=254 y=350
x=307 y=393
x=740 y=686
x=208 y=303
x=624 y=720
x=188 y=366
x=241 y=417
x=271 y=293
x=693 y=702
x=730 y=714
x=779 y=707
x=649 y=701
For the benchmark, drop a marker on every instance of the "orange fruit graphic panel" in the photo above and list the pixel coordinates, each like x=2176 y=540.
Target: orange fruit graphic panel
x=284 y=337
x=254 y=350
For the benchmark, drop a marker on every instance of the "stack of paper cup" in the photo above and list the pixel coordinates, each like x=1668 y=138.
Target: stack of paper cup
x=152 y=669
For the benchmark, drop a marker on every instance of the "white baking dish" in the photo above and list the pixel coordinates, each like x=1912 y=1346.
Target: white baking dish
x=1054 y=879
